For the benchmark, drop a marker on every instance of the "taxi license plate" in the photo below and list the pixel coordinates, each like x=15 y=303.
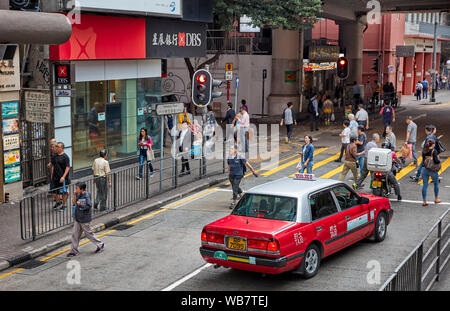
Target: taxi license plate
x=376 y=184
x=236 y=243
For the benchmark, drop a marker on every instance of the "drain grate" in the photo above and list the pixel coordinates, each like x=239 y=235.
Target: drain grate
x=31 y=264
x=122 y=227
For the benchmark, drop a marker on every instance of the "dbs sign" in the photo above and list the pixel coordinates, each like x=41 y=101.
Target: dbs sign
x=62 y=73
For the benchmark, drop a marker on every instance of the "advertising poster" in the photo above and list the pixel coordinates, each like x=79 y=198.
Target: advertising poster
x=10 y=126
x=11 y=142
x=11 y=157
x=10 y=110
x=12 y=174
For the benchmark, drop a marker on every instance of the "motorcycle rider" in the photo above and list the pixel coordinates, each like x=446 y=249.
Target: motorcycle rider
x=396 y=167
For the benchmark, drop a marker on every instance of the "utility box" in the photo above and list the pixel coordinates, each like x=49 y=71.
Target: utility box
x=379 y=159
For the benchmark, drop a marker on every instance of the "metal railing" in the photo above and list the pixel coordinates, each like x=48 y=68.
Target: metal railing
x=239 y=45
x=422 y=268
x=38 y=215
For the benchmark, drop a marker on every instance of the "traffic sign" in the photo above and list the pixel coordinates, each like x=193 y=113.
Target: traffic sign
x=229 y=67
x=169 y=108
x=228 y=75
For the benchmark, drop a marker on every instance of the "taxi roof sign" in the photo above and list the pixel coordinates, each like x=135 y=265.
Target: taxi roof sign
x=300 y=176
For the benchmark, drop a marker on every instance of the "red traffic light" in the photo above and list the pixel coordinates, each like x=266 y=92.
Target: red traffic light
x=342 y=62
x=201 y=78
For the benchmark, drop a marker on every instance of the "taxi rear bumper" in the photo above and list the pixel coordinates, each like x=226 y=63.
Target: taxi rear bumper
x=249 y=262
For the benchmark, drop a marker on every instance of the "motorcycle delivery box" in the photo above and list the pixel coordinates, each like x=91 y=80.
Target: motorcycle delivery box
x=379 y=160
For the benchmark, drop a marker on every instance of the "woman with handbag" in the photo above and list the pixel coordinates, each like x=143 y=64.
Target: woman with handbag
x=431 y=167
x=146 y=154
x=307 y=154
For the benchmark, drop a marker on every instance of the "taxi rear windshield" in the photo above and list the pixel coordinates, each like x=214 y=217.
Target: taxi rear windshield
x=267 y=207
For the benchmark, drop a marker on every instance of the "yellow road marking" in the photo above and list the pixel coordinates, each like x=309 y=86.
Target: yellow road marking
x=323 y=162
x=444 y=166
x=294 y=162
x=408 y=169
x=10 y=273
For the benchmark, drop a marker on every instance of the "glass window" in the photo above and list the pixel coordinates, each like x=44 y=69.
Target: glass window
x=322 y=205
x=345 y=197
x=109 y=114
x=268 y=207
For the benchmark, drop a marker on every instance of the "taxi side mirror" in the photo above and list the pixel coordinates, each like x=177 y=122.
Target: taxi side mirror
x=363 y=200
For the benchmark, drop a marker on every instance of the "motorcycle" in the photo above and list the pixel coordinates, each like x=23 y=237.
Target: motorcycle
x=381 y=185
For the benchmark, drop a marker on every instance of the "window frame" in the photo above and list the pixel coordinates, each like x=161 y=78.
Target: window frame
x=328 y=189
x=351 y=190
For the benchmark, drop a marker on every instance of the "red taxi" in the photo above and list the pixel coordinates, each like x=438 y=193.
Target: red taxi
x=292 y=223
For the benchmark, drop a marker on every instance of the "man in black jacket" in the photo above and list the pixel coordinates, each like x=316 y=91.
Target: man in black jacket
x=81 y=212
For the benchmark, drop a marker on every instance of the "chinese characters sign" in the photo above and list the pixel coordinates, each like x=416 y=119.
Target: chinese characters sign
x=37 y=105
x=172 y=38
x=323 y=53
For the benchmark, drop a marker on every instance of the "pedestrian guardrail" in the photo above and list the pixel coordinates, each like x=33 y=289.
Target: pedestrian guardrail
x=38 y=215
x=422 y=268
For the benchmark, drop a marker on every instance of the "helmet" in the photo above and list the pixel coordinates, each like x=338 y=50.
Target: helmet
x=386 y=145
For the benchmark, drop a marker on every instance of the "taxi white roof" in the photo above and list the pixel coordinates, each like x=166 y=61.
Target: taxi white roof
x=290 y=187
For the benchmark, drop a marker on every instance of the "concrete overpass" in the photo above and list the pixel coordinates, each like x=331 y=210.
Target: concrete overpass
x=351 y=15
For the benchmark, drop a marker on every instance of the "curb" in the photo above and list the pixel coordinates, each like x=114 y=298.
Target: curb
x=25 y=256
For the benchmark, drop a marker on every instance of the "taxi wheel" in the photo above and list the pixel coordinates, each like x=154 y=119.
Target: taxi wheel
x=310 y=262
x=380 y=227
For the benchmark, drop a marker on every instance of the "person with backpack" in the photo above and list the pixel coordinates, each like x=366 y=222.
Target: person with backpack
x=388 y=114
x=145 y=144
x=237 y=166
x=307 y=155
x=431 y=167
x=419 y=88
x=288 y=118
x=313 y=109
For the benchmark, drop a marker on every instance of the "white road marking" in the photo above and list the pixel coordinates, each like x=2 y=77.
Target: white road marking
x=187 y=277
x=419 y=202
x=419 y=116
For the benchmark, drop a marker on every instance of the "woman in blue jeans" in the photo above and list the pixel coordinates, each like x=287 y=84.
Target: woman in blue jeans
x=429 y=151
x=307 y=154
x=144 y=143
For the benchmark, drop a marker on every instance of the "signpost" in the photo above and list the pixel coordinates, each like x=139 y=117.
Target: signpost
x=228 y=77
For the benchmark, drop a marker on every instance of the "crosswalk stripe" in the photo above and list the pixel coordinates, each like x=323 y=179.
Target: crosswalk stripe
x=290 y=163
x=323 y=162
x=444 y=166
x=408 y=169
x=333 y=172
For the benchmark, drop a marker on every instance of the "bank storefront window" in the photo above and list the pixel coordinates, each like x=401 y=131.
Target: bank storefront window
x=109 y=114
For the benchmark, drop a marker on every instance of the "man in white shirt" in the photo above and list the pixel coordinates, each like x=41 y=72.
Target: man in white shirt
x=362 y=117
x=244 y=124
x=345 y=139
x=101 y=171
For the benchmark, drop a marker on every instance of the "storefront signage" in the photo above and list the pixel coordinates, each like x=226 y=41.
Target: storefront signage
x=37 y=106
x=171 y=8
x=317 y=67
x=323 y=53
x=290 y=76
x=405 y=51
x=175 y=38
x=10 y=110
x=9 y=68
x=11 y=142
x=62 y=73
x=169 y=108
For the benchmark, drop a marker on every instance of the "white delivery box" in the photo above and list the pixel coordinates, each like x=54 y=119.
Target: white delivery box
x=379 y=159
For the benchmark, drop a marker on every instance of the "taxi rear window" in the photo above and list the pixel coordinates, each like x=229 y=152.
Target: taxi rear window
x=267 y=207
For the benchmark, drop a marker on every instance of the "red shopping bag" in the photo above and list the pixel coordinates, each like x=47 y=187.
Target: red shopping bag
x=406 y=151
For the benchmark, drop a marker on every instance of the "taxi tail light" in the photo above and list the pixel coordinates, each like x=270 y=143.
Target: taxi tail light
x=257 y=244
x=212 y=237
x=273 y=246
x=204 y=236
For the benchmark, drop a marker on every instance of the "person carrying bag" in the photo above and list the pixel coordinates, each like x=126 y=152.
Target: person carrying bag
x=431 y=167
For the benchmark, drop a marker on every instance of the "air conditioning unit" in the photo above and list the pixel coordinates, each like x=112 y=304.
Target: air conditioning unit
x=25 y=5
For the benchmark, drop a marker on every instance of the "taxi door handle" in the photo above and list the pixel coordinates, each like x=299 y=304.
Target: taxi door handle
x=319 y=228
x=347 y=217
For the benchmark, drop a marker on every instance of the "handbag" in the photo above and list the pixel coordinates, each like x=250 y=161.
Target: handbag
x=430 y=165
x=406 y=151
x=333 y=118
x=150 y=155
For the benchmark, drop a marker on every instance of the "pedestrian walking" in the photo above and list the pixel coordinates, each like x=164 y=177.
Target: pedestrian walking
x=425 y=88
x=288 y=118
x=53 y=153
x=185 y=140
x=353 y=125
x=388 y=114
x=146 y=154
x=313 y=109
x=237 y=165
x=432 y=165
x=230 y=114
x=307 y=156
x=411 y=139
x=419 y=89
x=244 y=124
x=60 y=172
x=390 y=137
x=82 y=214
x=350 y=161
x=244 y=105
x=102 y=180
x=372 y=144
x=376 y=94
x=345 y=139
x=430 y=132
x=362 y=117
x=361 y=142
x=328 y=110
x=185 y=116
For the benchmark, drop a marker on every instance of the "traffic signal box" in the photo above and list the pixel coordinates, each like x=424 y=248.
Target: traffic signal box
x=202 y=88
x=342 y=68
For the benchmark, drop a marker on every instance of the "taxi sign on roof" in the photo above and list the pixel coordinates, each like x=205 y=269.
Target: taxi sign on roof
x=300 y=176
